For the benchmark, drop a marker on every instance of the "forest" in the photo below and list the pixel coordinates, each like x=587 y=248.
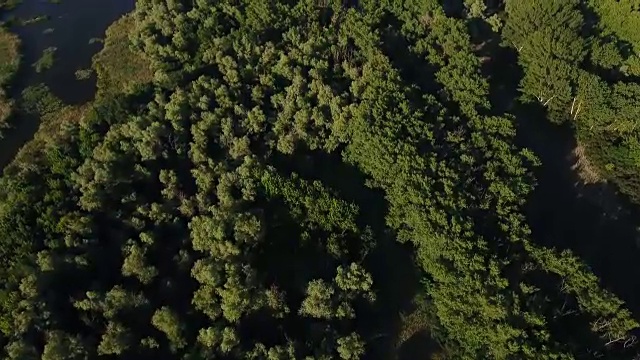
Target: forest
x=318 y=179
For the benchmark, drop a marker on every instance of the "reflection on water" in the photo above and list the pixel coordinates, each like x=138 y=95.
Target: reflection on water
x=74 y=24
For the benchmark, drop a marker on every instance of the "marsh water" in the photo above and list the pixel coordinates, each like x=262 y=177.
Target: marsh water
x=69 y=26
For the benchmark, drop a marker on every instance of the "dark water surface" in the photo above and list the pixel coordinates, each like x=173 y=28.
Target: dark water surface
x=594 y=221
x=74 y=24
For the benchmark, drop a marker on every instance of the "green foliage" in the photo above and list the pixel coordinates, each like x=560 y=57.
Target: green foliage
x=619 y=18
x=62 y=346
x=46 y=60
x=39 y=100
x=168 y=322
x=9 y=63
x=317 y=302
x=546 y=33
x=580 y=71
x=351 y=347
x=193 y=218
x=83 y=74
x=115 y=340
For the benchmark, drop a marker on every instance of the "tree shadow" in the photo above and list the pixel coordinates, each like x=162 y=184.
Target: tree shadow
x=392 y=265
x=419 y=347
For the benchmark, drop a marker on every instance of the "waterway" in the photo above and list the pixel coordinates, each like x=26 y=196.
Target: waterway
x=69 y=27
x=592 y=220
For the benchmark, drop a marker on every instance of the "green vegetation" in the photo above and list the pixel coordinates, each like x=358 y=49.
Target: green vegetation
x=585 y=73
x=38 y=100
x=34 y=20
x=46 y=60
x=83 y=74
x=235 y=188
x=8 y=4
x=54 y=116
x=9 y=62
x=118 y=66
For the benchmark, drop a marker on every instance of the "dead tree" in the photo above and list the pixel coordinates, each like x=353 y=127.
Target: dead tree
x=575 y=109
x=542 y=100
x=518 y=48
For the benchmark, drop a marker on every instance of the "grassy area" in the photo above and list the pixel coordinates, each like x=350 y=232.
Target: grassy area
x=9 y=56
x=9 y=63
x=46 y=60
x=53 y=115
x=118 y=67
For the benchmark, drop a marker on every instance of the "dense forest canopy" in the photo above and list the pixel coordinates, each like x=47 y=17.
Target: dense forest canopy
x=236 y=187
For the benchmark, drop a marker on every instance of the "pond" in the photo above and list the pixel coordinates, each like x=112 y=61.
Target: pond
x=69 y=27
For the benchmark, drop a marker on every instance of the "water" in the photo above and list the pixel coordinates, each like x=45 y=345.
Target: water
x=594 y=221
x=74 y=24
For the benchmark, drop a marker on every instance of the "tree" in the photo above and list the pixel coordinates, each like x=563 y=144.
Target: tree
x=115 y=340
x=134 y=265
x=547 y=34
x=63 y=346
x=318 y=302
x=351 y=347
x=165 y=320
